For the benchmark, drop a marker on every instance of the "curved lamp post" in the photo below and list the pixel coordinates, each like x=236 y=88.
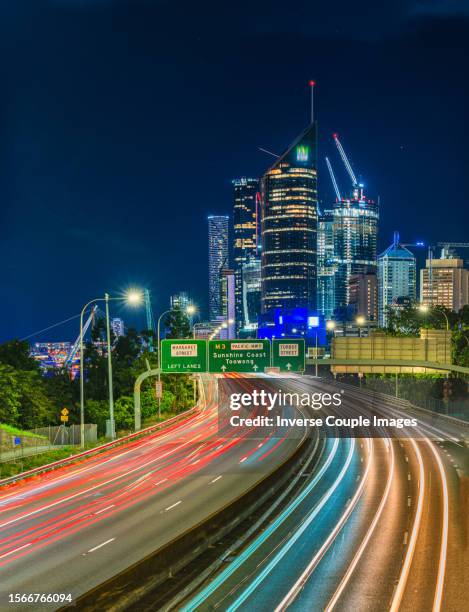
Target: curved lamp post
x=132 y=298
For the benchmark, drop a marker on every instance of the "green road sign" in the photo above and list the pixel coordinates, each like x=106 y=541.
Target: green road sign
x=183 y=356
x=238 y=355
x=288 y=355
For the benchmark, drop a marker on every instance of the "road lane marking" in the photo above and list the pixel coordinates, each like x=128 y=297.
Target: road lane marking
x=104 y=509
x=160 y=481
x=94 y=487
x=399 y=592
x=371 y=529
x=15 y=550
x=444 y=534
x=217 y=478
x=101 y=545
x=294 y=538
x=173 y=506
x=243 y=460
x=234 y=565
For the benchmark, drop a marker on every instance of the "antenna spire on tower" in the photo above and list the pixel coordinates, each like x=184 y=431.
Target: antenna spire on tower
x=312 y=84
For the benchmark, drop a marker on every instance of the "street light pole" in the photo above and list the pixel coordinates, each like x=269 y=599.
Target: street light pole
x=82 y=376
x=109 y=369
x=132 y=298
x=159 y=359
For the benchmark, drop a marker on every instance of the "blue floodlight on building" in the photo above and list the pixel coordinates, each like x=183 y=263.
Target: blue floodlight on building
x=294 y=323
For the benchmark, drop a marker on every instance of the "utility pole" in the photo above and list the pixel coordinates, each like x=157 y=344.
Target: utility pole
x=109 y=366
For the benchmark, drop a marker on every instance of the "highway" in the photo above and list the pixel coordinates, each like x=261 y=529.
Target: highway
x=71 y=529
x=380 y=524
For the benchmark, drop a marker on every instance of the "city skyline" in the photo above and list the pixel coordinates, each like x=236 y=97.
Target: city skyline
x=93 y=167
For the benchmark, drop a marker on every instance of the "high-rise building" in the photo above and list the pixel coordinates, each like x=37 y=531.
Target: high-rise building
x=118 y=327
x=289 y=227
x=396 y=277
x=326 y=264
x=245 y=233
x=363 y=295
x=355 y=229
x=250 y=296
x=227 y=300
x=217 y=260
x=445 y=282
x=180 y=300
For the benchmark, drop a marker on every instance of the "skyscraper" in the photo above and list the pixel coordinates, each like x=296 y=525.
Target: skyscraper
x=227 y=300
x=363 y=295
x=251 y=296
x=217 y=260
x=180 y=300
x=396 y=277
x=289 y=227
x=445 y=282
x=117 y=326
x=355 y=230
x=245 y=233
x=327 y=266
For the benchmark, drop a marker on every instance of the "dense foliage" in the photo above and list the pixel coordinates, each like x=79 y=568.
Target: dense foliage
x=408 y=320
x=29 y=399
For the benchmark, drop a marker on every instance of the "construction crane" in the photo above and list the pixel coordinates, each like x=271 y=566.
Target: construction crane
x=150 y=318
x=345 y=160
x=447 y=246
x=334 y=182
x=73 y=351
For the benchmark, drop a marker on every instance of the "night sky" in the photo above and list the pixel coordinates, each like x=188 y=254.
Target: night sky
x=123 y=122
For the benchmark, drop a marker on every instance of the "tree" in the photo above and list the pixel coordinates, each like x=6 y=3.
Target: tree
x=124 y=412
x=17 y=354
x=97 y=411
x=178 y=324
x=404 y=321
x=10 y=395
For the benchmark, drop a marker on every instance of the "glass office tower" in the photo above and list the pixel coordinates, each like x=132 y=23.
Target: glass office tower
x=217 y=260
x=326 y=264
x=289 y=227
x=355 y=241
x=245 y=234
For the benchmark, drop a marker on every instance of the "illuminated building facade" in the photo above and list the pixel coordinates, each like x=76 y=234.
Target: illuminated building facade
x=446 y=285
x=227 y=300
x=217 y=260
x=355 y=229
x=118 y=327
x=245 y=234
x=363 y=295
x=396 y=277
x=251 y=297
x=326 y=264
x=289 y=227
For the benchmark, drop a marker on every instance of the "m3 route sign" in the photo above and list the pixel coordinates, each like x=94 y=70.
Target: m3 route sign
x=238 y=356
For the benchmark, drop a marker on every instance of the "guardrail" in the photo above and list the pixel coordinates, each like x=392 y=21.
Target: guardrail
x=98 y=449
x=433 y=365
x=400 y=402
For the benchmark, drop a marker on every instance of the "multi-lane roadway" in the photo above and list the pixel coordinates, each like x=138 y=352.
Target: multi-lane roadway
x=378 y=523
x=72 y=529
